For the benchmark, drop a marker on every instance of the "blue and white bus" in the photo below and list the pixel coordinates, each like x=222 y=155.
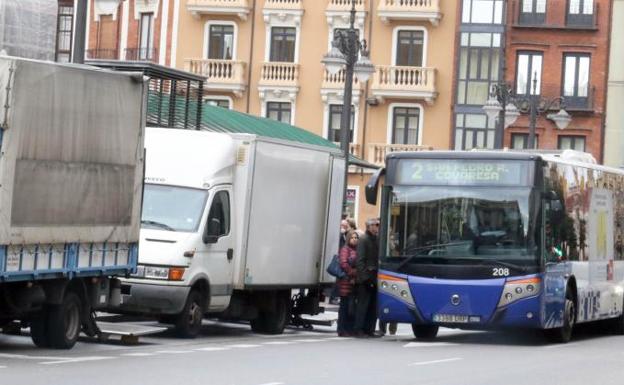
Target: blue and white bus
x=497 y=239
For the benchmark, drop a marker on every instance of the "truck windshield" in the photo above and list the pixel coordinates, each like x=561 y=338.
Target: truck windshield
x=472 y=225
x=172 y=208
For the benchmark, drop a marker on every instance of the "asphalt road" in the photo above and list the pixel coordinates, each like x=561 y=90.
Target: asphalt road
x=230 y=354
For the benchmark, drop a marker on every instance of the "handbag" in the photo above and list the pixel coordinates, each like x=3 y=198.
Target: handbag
x=334 y=268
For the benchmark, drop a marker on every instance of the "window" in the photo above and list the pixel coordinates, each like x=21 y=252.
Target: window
x=571 y=143
x=580 y=12
x=474 y=131
x=333 y=123
x=521 y=141
x=146 y=37
x=528 y=70
x=409 y=49
x=279 y=111
x=405 y=125
x=532 y=12
x=576 y=79
x=283 y=41
x=479 y=60
x=223 y=103
x=220 y=211
x=64 y=32
x=482 y=12
x=221 y=42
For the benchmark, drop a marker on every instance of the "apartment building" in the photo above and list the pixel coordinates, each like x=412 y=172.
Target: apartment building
x=614 y=127
x=550 y=49
x=263 y=57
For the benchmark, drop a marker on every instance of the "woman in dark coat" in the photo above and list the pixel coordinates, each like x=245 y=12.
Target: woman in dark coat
x=348 y=256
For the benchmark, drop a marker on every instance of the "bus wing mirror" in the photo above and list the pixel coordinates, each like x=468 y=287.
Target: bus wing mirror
x=373 y=185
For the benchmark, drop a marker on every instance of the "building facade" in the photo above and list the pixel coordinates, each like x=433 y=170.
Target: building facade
x=263 y=57
x=614 y=132
x=554 y=48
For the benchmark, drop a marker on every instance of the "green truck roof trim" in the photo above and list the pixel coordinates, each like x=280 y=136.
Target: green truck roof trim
x=219 y=119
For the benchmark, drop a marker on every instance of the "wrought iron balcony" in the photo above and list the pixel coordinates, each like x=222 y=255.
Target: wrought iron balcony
x=142 y=54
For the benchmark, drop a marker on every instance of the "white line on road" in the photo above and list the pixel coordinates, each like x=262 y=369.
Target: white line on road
x=278 y=343
x=210 y=349
x=435 y=361
x=273 y=383
x=25 y=357
x=242 y=346
x=2 y=367
x=428 y=344
x=340 y=338
x=78 y=359
x=310 y=340
x=556 y=346
x=174 y=351
x=138 y=354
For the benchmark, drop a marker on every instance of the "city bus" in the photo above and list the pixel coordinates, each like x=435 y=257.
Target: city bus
x=500 y=239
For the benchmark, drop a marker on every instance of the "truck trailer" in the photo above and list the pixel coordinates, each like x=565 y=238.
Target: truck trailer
x=232 y=225
x=71 y=174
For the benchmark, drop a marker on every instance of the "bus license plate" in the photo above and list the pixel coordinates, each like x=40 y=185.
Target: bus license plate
x=450 y=318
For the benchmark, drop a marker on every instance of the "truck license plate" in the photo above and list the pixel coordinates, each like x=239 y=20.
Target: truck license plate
x=450 y=318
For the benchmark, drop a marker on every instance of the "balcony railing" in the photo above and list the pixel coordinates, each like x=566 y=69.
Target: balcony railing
x=279 y=74
x=337 y=80
x=555 y=18
x=404 y=82
x=355 y=149
x=377 y=151
x=238 y=8
x=410 y=10
x=103 y=54
x=142 y=54
x=222 y=75
x=283 y=4
x=345 y=5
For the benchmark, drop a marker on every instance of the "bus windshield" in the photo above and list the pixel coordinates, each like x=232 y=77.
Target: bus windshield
x=435 y=224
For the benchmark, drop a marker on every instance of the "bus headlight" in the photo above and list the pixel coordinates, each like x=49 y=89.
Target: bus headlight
x=517 y=289
x=397 y=288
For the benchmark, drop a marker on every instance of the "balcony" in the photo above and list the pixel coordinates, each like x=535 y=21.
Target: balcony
x=337 y=13
x=280 y=11
x=221 y=75
x=377 y=151
x=411 y=10
x=102 y=54
x=141 y=54
x=283 y=5
x=279 y=74
x=355 y=149
x=238 y=8
x=404 y=83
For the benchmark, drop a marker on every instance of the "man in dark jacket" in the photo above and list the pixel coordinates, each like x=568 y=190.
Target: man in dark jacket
x=366 y=280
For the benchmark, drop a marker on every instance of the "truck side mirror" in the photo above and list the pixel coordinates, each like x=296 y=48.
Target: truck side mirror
x=373 y=185
x=211 y=234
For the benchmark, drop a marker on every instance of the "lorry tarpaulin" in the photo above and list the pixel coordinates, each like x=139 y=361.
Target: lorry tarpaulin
x=28 y=28
x=73 y=149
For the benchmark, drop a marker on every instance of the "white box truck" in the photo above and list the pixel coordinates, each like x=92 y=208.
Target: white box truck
x=71 y=174
x=231 y=224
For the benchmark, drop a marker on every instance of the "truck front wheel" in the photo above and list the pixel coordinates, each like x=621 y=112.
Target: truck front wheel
x=64 y=322
x=188 y=322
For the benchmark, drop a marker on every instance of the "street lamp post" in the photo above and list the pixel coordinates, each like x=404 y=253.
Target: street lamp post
x=507 y=106
x=350 y=54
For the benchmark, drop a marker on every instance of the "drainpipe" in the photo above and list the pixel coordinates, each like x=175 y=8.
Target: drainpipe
x=81 y=31
x=251 y=47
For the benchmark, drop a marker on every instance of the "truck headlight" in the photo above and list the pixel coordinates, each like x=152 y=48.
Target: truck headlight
x=154 y=272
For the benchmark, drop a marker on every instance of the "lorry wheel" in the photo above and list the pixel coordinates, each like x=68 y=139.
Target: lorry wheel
x=425 y=332
x=38 y=332
x=188 y=322
x=273 y=320
x=64 y=322
x=564 y=333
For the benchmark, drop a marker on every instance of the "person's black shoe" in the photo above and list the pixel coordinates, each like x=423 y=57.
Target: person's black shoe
x=376 y=335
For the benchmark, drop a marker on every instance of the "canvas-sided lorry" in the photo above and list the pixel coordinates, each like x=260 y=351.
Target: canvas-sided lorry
x=231 y=225
x=71 y=174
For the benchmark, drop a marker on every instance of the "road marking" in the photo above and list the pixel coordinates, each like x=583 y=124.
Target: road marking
x=25 y=357
x=73 y=360
x=278 y=343
x=174 y=351
x=340 y=338
x=138 y=354
x=556 y=346
x=273 y=383
x=242 y=346
x=428 y=344
x=310 y=340
x=210 y=349
x=2 y=367
x=435 y=361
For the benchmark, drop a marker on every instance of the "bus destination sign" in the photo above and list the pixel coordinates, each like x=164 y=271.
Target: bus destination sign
x=461 y=172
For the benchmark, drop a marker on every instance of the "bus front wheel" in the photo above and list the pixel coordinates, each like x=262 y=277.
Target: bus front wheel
x=564 y=333
x=425 y=332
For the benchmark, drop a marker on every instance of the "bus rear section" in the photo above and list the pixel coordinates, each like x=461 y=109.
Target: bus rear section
x=467 y=241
